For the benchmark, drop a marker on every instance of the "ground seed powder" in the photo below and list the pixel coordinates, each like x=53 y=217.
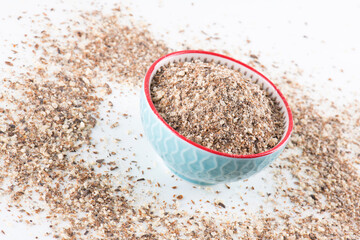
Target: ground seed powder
x=57 y=113
x=217 y=107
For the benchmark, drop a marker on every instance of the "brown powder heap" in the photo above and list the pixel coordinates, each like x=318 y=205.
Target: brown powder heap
x=217 y=107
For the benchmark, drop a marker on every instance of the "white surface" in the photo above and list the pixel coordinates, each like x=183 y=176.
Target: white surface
x=277 y=31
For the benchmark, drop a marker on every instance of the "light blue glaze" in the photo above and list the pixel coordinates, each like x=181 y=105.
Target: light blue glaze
x=194 y=164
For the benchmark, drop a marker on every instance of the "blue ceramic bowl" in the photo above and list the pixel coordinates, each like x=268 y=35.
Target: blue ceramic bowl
x=191 y=161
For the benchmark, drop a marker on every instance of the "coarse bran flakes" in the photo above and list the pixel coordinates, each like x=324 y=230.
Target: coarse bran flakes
x=217 y=107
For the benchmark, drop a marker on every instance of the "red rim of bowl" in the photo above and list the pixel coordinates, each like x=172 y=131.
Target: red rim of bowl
x=148 y=98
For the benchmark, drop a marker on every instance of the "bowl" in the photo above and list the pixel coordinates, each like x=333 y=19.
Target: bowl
x=191 y=161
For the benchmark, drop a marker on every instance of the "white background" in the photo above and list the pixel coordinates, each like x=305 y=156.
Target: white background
x=321 y=39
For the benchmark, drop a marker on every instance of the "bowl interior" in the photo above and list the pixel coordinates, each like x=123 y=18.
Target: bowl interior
x=247 y=71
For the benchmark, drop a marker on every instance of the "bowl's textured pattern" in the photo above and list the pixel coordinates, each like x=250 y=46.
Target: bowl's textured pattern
x=198 y=164
x=192 y=163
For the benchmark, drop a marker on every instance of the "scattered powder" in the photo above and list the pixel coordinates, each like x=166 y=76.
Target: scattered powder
x=55 y=110
x=54 y=117
x=217 y=107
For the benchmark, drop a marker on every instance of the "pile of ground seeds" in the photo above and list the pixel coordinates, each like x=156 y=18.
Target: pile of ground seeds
x=217 y=107
x=55 y=116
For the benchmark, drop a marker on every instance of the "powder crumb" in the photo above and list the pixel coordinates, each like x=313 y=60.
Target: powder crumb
x=217 y=107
